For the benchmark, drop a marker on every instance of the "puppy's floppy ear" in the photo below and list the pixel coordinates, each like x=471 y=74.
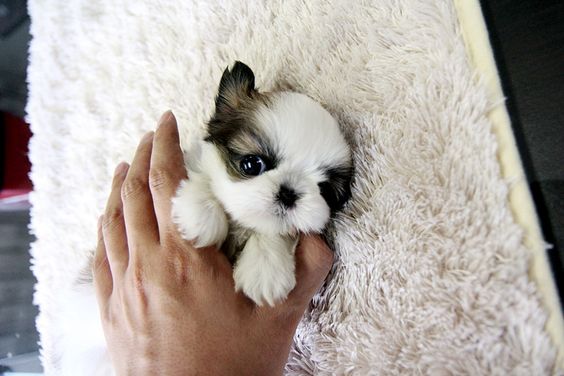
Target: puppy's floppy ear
x=235 y=86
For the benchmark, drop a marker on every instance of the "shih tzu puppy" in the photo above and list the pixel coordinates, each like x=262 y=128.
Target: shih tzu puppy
x=271 y=166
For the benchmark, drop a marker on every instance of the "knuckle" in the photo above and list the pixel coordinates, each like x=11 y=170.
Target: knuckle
x=98 y=262
x=100 y=240
x=113 y=215
x=139 y=283
x=172 y=238
x=159 y=178
x=131 y=187
x=138 y=279
x=178 y=264
x=111 y=320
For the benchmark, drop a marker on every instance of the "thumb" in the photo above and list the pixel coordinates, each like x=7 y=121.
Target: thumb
x=313 y=262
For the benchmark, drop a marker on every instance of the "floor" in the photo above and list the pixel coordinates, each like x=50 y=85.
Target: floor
x=528 y=41
x=17 y=313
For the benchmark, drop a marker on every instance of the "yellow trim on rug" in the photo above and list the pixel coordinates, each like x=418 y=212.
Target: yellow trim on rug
x=479 y=50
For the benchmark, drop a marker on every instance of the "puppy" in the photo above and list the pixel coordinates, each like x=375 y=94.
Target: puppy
x=271 y=166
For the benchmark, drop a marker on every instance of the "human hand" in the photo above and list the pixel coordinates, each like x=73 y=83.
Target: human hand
x=168 y=308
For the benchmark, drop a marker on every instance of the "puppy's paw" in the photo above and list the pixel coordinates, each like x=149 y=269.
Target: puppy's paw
x=265 y=269
x=199 y=216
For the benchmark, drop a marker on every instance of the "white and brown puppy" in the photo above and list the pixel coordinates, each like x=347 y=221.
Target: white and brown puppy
x=272 y=165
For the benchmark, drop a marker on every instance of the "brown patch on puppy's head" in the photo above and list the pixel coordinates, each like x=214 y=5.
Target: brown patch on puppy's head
x=232 y=128
x=236 y=88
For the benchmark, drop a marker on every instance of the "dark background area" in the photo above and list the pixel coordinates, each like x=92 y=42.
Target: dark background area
x=528 y=41
x=18 y=335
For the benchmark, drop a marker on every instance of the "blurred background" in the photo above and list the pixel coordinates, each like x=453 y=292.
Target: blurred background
x=528 y=42
x=18 y=336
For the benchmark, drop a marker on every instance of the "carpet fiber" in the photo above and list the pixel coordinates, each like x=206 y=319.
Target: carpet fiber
x=431 y=275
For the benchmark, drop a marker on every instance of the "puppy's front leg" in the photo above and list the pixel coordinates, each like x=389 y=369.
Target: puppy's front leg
x=197 y=213
x=265 y=269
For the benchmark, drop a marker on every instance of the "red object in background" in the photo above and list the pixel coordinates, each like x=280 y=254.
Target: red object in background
x=16 y=166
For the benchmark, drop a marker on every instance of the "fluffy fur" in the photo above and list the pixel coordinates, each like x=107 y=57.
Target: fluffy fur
x=307 y=172
x=431 y=275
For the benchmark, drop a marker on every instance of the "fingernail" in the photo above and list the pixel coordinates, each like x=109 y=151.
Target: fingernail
x=167 y=114
x=100 y=219
x=147 y=136
x=121 y=168
x=166 y=117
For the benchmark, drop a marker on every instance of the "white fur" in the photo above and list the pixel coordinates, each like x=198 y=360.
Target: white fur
x=252 y=202
x=306 y=135
x=83 y=341
x=198 y=214
x=265 y=269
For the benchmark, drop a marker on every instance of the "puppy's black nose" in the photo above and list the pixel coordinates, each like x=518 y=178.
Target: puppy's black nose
x=287 y=196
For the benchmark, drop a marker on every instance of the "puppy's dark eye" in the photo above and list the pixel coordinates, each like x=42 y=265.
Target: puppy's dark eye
x=336 y=190
x=252 y=165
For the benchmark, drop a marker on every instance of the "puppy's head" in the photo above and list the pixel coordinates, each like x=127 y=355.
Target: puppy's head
x=277 y=161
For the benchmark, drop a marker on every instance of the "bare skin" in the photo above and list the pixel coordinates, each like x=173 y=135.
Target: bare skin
x=168 y=308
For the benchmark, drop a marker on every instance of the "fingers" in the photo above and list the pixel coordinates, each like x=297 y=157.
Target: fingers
x=313 y=262
x=113 y=226
x=140 y=223
x=101 y=268
x=167 y=169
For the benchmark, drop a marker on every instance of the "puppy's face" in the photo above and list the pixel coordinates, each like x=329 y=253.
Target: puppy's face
x=278 y=161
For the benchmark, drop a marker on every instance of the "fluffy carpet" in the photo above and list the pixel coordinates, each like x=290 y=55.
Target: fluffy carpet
x=431 y=274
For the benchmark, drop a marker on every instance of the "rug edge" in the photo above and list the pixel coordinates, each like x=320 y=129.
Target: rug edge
x=480 y=54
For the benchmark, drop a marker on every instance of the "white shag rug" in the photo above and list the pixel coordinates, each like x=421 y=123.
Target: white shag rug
x=431 y=273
